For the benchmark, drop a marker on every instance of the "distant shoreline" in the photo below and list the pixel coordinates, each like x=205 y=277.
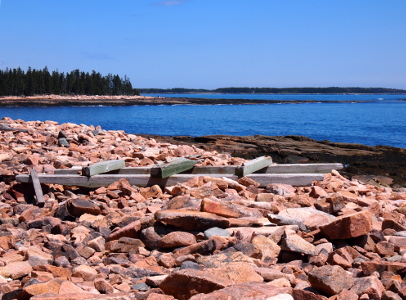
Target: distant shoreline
x=56 y=100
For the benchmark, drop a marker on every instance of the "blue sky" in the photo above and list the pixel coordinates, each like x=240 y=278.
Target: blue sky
x=212 y=43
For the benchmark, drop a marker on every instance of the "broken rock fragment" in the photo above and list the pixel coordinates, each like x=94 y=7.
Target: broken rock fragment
x=348 y=226
x=330 y=280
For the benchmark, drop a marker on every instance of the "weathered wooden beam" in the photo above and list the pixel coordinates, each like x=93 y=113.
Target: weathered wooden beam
x=37 y=187
x=303 y=168
x=103 y=167
x=304 y=179
x=253 y=165
x=208 y=170
x=175 y=166
x=146 y=180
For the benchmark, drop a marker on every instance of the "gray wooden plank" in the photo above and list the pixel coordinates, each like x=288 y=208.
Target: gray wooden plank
x=303 y=168
x=172 y=167
x=253 y=165
x=207 y=170
x=103 y=167
x=37 y=187
x=296 y=179
x=146 y=180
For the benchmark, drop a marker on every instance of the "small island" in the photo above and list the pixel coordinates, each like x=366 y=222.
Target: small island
x=78 y=88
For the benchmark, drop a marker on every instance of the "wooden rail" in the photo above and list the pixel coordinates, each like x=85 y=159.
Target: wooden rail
x=147 y=180
x=181 y=170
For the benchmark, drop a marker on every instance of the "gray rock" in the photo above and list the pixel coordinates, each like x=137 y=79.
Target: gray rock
x=63 y=142
x=189 y=265
x=281 y=220
x=295 y=243
x=141 y=286
x=395 y=258
x=216 y=231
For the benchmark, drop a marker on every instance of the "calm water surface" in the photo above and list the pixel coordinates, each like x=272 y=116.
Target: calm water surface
x=381 y=122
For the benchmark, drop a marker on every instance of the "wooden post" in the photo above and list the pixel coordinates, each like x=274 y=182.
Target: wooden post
x=172 y=167
x=103 y=167
x=253 y=166
x=37 y=187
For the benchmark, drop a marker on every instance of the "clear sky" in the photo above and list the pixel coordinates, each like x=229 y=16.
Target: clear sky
x=212 y=43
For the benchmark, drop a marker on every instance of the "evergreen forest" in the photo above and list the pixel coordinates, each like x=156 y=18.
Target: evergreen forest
x=16 y=82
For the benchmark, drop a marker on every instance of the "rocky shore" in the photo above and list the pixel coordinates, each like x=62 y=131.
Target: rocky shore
x=83 y=100
x=381 y=164
x=208 y=238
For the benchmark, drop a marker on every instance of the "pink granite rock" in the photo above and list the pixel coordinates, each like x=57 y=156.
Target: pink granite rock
x=330 y=280
x=348 y=226
x=186 y=283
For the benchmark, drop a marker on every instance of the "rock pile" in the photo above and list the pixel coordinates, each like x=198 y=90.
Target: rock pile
x=209 y=238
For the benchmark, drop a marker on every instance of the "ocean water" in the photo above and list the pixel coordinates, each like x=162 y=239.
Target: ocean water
x=380 y=120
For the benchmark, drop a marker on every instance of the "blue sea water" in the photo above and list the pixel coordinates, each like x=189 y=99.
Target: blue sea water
x=379 y=120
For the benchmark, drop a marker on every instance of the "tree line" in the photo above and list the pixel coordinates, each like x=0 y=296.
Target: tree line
x=264 y=90
x=16 y=82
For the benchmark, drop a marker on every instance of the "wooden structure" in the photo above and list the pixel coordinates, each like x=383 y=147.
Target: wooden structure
x=181 y=170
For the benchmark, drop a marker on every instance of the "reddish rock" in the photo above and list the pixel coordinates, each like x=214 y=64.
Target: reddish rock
x=330 y=280
x=229 y=210
x=317 y=192
x=345 y=295
x=86 y=296
x=177 y=239
x=247 y=291
x=369 y=267
x=154 y=296
x=270 y=274
x=238 y=272
x=268 y=248
x=295 y=243
x=49 y=287
x=7 y=241
x=384 y=248
x=348 y=226
x=16 y=270
x=85 y=272
x=186 y=283
x=130 y=230
x=103 y=286
x=77 y=207
x=150 y=238
x=191 y=220
x=306 y=295
x=370 y=286
x=246 y=181
x=38 y=257
x=207 y=246
x=166 y=260
x=398 y=242
x=54 y=270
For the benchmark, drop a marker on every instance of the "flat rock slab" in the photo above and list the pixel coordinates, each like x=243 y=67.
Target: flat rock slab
x=247 y=291
x=87 y=296
x=78 y=207
x=186 y=283
x=295 y=243
x=191 y=220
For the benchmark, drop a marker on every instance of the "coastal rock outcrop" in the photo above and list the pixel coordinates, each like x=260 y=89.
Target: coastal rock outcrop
x=207 y=238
